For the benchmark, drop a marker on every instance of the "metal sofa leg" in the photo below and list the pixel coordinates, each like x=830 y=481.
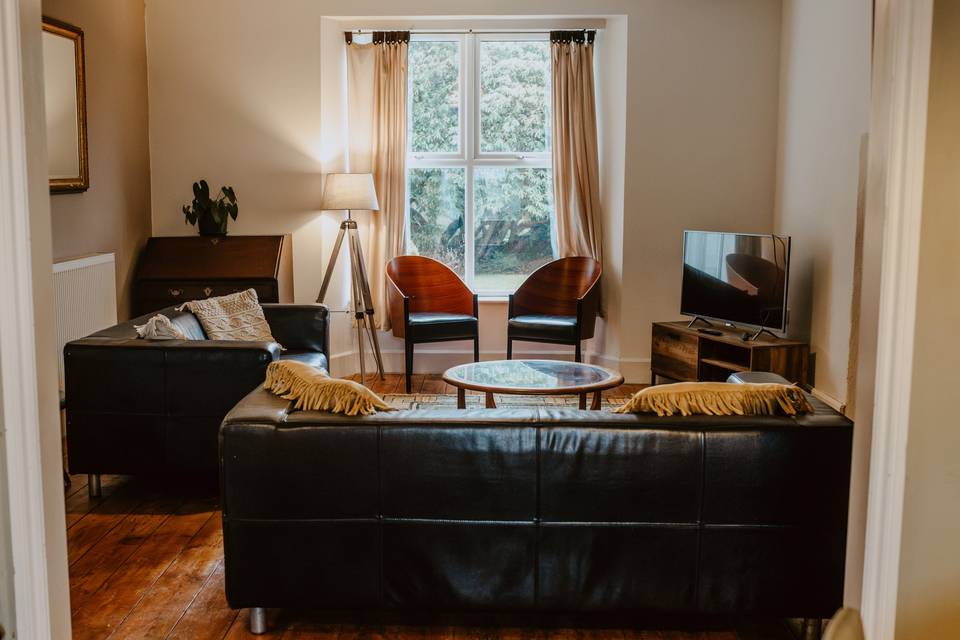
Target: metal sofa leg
x=93 y=485
x=258 y=620
x=577 y=355
x=509 y=348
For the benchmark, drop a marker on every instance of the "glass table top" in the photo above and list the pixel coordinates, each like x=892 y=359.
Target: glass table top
x=532 y=376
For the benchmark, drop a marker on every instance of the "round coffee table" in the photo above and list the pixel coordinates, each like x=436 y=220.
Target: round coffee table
x=531 y=377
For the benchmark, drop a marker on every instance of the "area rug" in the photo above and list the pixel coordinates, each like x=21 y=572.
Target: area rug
x=505 y=401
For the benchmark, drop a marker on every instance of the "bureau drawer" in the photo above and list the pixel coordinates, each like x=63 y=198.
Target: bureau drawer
x=674 y=354
x=157 y=294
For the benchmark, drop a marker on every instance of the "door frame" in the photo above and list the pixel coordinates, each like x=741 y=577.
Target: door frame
x=19 y=400
x=898 y=123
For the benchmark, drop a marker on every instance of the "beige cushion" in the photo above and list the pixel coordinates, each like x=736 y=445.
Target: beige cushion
x=237 y=316
x=314 y=390
x=718 y=399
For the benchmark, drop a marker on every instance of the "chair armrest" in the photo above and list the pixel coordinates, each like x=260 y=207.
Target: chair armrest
x=588 y=306
x=300 y=326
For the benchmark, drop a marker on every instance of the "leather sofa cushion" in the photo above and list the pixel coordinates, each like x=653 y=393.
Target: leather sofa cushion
x=441 y=326
x=558 y=327
x=311 y=358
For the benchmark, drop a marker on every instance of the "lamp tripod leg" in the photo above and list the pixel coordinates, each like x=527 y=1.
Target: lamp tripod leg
x=331 y=264
x=358 y=317
x=366 y=298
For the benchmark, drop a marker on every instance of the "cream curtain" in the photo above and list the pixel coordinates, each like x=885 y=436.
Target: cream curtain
x=377 y=122
x=576 y=180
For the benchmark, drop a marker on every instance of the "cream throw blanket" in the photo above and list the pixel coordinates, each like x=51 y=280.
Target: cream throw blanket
x=237 y=316
x=314 y=390
x=718 y=399
x=159 y=327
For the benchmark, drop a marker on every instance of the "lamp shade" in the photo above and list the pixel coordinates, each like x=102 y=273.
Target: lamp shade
x=349 y=191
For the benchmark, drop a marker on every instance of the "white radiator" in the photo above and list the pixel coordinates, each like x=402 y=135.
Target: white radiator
x=85 y=292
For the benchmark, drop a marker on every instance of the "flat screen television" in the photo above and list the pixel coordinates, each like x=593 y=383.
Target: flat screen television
x=736 y=277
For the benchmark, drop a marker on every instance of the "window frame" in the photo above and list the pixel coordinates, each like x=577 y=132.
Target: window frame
x=469 y=157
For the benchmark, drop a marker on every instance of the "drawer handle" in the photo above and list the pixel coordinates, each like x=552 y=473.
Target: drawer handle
x=175 y=292
x=207 y=291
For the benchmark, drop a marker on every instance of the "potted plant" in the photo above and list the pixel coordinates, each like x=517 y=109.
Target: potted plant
x=210 y=216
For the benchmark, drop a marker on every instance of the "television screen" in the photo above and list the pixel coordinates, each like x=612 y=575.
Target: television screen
x=736 y=277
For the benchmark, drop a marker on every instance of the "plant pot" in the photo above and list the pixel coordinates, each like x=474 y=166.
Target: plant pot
x=207 y=226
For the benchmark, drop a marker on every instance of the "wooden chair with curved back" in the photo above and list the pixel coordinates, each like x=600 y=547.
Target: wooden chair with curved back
x=558 y=303
x=429 y=303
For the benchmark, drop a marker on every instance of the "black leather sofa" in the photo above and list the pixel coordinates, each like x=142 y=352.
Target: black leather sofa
x=140 y=406
x=533 y=510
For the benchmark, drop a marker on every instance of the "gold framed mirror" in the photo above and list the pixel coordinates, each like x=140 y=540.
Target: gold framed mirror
x=65 y=91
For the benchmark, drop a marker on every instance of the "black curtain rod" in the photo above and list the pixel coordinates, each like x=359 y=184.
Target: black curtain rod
x=454 y=32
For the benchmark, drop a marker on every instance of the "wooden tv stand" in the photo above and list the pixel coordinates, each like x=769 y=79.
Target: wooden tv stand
x=684 y=354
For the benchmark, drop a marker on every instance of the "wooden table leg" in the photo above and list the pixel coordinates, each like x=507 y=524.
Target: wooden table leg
x=490 y=402
x=595 y=405
x=461 y=398
x=583 y=401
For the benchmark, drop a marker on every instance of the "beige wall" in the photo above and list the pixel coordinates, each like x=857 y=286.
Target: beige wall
x=113 y=215
x=55 y=530
x=700 y=144
x=824 y=112
x=695 y=120
x=928 y=597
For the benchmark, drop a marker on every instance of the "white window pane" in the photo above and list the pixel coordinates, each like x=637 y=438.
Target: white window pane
x=514 y=96
x=436 y=215
x=434 y=69
x=513 y=210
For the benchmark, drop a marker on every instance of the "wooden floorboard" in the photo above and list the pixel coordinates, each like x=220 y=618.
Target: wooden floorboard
x=146 y=561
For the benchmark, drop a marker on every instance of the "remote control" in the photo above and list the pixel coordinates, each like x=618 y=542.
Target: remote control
x=711 y=332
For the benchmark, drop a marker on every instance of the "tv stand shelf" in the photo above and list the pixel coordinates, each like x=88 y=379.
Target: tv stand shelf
x=683 y=354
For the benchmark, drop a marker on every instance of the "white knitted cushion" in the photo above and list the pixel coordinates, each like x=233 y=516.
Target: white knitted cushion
x=237 y=316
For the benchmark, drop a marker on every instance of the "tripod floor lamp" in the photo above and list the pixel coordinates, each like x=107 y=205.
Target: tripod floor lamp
x=353 y=191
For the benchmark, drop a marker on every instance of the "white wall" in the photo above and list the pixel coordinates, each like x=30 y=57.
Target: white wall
x=928 y=594
x=824 y=114
x=695 y=124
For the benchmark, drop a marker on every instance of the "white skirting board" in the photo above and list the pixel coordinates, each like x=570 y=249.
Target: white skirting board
x=830 y=401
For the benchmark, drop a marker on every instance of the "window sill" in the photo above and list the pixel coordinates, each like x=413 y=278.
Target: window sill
x=492 y=299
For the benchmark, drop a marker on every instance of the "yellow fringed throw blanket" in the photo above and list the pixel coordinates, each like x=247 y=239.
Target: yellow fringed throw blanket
x=718 y=399
x=313 y=389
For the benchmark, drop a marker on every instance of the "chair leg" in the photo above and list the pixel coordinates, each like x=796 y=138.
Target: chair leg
x=408 y=361
x=509 y=348
x=578 y=356
x=476 y=349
